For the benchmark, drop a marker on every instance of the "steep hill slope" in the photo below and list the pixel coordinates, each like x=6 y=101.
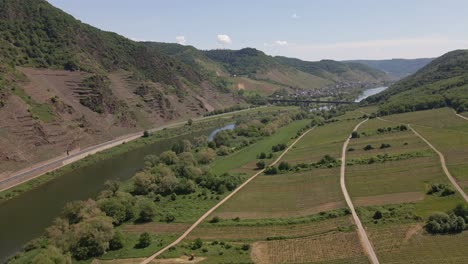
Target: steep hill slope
x=397 y=68
x=337 y=71
x=443 y=82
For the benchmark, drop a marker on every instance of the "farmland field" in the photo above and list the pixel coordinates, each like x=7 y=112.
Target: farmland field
x=448 y=133
x=286 y=195
x=325 y=140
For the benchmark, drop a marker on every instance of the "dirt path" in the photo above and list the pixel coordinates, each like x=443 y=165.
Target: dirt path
x=44 y=167
x=464 y=117
x=443 y=163
x=366 y=244
x=205 y=215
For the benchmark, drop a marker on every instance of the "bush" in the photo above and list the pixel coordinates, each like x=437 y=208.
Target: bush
x=147 y=211
x=198 y=243
x=262 y=155
x=368 y=147
x=355 y=134
x=117 y=241
x=245 y=247
x=146 y=134
x=284 y=166
x=271 y=170
x=383 y=146
x=215 y=219
x=260 y=164
x=442 y=223
x=278 y=147
x=351 y=149
x=377 y=215
x=144 y=240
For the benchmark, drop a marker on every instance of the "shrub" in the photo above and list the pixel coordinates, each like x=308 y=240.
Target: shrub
x=215 y=219
x=260 y=164
x=441 y=223
x=383 y=146
x=271 y=170
x=284 y=166
x=245 y=247
x=146 y=134
x=117 y=241
x=278 y=147
x=377 y=215
x=355 y=134
x=147 y=211
x=368 y=147
x=144 y=240
x=262 y=155
x=197 y=243
x=351 y=149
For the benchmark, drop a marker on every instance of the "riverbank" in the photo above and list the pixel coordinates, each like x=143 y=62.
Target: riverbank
x=128 y=144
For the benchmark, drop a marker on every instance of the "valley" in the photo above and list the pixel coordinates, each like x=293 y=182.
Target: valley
x=116 y=149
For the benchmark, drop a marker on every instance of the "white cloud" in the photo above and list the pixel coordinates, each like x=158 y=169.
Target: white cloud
x=224 y=39
x=181 y=40
x=281 y=42
x=295 y=16
x=426 y=46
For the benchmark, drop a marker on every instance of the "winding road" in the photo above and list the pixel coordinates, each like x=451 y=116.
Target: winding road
x=365 y=242
x=205 y=215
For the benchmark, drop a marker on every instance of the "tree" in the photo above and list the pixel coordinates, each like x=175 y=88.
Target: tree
x=262 y=155
x=51 y=255
x=169 y=157
x=187 y=159
x=113 y=208
x=260 y=164
x=222 y=138
x=144 y=240
x=117 y=241
x=112 y=186
x=146 y=134
x=206 y=155
x=147 y=211
x=355 y=134
x=143 y=183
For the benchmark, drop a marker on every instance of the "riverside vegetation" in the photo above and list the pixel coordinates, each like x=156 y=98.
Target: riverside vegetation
x=163 y=191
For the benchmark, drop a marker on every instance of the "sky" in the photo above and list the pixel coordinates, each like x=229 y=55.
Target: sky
x=305 y=29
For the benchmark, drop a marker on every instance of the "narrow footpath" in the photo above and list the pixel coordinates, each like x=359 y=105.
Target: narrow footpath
x=205 y=215
x=365 y=242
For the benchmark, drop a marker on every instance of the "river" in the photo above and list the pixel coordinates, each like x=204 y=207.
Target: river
x=27 y=215
x=370 y=92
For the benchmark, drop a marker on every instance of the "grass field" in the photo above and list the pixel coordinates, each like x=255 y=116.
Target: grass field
x=269 y=232
x=339 y=247
x=408 y=243
x=248 y=155
x=448 y=133
x=324 y=140
x=286 y=195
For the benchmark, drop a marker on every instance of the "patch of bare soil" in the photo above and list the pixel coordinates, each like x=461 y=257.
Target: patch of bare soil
x=413 y=231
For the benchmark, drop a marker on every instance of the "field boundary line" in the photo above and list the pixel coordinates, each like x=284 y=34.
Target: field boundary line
x=443 y=163
x=441 y=158
x=365 y=242
x=207 y=213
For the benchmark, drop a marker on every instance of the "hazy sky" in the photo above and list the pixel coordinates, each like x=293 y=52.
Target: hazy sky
x=306 y=29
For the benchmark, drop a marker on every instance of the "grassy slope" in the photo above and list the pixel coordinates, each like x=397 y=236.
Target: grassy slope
x=398 y=237
x=442 y=82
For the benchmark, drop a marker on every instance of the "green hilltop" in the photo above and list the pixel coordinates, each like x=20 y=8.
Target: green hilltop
x=443 y=82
